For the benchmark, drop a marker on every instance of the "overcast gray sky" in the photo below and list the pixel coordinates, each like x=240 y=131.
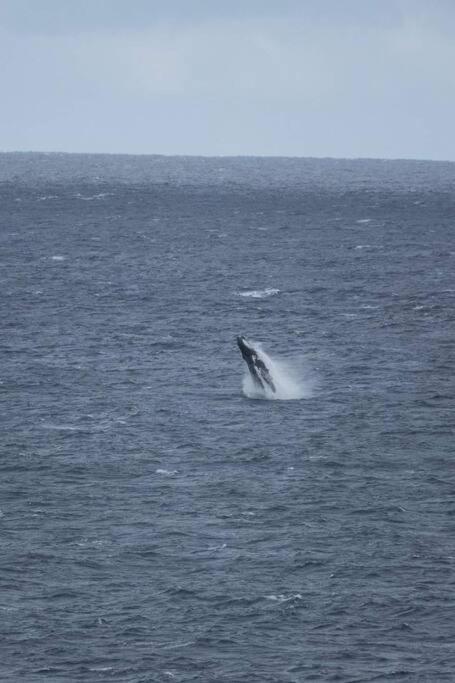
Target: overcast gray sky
x=340 y=78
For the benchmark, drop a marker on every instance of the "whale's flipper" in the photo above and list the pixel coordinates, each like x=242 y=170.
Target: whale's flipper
x=258 y=369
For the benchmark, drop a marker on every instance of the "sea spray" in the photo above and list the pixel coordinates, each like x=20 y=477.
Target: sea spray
x=289 y=377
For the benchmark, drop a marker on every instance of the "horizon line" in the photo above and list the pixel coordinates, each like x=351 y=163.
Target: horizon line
x=227 y=156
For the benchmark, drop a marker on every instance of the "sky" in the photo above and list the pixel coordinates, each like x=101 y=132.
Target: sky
x=319 y=78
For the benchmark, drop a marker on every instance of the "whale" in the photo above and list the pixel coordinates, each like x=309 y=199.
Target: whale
x=256 y=365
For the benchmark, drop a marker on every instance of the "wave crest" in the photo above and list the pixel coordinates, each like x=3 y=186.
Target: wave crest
x=259 y=293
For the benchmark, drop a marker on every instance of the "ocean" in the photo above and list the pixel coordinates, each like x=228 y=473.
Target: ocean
x=158 y=520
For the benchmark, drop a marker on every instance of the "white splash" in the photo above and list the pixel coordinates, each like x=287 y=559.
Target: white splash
x=284 y=598
x=90 y=198
x=289 y=377
x=259 y=293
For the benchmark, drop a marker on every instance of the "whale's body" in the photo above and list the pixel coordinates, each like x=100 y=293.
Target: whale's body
x=256 y=365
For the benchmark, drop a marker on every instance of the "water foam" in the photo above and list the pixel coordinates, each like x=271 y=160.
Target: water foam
x=284 y=598
x=288 y=377
x=90 y=198
x=260 y=293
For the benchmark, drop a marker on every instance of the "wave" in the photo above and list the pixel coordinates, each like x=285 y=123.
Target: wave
x=90 y=198
x=284 y=598
x=259 y=293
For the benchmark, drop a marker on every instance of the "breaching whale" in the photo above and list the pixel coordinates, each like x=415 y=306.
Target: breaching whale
x=258 y=369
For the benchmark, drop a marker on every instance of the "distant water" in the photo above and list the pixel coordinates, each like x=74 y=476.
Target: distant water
x=157 y=524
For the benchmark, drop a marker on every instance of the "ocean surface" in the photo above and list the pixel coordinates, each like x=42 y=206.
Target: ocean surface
x=158 y=523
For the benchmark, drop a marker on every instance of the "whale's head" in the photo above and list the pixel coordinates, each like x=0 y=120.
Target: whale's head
x=243 y=345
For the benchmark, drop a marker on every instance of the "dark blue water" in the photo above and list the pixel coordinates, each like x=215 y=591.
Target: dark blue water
x=156 y=524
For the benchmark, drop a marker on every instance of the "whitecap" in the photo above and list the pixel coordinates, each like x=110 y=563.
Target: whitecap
x=60 y=427
x=283 y=598
x=167 y=472
x=364 y=220
x=259 y=293
x=90 y=198
x=58 y=258
x=174 y=646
